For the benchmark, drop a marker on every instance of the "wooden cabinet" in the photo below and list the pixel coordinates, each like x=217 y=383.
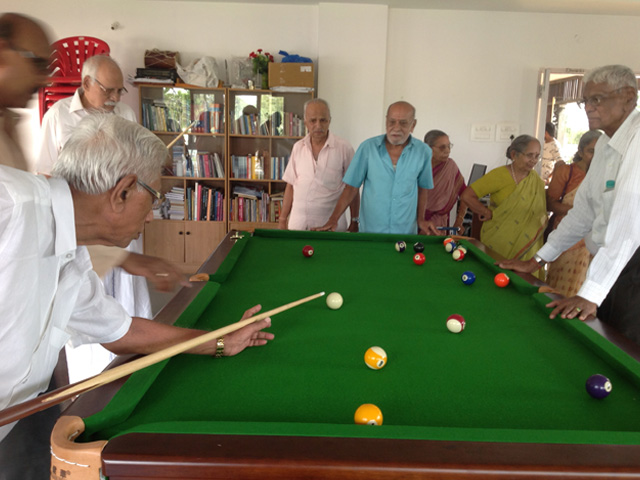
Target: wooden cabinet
x=227 y=151
x=187 y=244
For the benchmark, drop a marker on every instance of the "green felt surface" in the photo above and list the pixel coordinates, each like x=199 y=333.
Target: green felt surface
x=512 y=375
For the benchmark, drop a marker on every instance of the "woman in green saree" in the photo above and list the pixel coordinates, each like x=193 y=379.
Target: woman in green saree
x=514 y=222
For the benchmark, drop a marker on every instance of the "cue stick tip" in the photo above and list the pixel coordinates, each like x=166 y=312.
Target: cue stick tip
x=199 y=277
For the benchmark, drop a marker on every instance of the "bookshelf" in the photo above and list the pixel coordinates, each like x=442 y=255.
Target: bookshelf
x=195 y=176
x=263 y=126
x=225 y=173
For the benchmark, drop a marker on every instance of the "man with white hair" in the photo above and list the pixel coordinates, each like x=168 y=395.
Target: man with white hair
x=606 y=208
x=101 y=192
x=101 y=90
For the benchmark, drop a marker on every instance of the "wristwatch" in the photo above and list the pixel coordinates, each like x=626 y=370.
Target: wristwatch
x=539 y=260
x=356 y=219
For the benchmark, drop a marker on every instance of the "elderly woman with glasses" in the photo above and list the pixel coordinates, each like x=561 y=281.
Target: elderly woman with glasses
x=515 y=220
x=448 y=182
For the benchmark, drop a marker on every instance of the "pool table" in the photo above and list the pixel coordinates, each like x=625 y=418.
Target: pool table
x=505 y=398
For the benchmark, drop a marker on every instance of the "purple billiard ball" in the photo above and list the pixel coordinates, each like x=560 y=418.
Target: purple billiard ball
x=598 y=386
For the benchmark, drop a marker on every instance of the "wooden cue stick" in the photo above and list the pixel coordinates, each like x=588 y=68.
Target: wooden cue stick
x=16 y=412
x=184 y=130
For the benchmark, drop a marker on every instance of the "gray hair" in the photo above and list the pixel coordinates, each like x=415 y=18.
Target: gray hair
x=519 y=144
x=432 y=135
x=314 y=101
x=616 y=76
x=92 y=64
x=104 y=148
x=585 y=140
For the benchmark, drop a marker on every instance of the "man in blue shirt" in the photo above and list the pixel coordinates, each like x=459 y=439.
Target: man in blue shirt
x=396 y=172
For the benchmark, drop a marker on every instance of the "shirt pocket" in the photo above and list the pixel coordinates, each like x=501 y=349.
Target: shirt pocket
x=331 y=178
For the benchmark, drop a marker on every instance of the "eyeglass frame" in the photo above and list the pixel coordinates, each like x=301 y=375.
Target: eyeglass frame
x=159 y=197
x=39 y=63
x=109 y=92
x=596 y=100
x=531 y=155
x=444 y=147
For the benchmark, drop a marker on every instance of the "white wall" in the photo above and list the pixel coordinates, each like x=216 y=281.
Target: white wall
x=459 y=67
x=456 y=67
x=352 y=54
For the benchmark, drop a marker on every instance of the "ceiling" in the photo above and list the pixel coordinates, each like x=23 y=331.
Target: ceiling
x=590 y=7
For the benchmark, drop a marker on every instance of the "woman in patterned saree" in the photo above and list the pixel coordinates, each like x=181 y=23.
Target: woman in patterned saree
x=567 y=273
x=514 y=222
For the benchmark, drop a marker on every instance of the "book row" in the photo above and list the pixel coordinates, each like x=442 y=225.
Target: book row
x=253 y=167
x=277 y=125
x=197 y=164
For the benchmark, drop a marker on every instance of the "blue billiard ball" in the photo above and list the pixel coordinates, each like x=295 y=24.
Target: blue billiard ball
x=468 y=278
x=401 y=246
x=598 y=386
x=450 y=247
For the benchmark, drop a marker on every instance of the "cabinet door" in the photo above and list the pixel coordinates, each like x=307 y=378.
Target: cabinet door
x=201 y=239
x=165 y=239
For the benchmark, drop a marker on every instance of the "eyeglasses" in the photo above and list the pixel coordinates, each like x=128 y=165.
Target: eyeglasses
x=109 y=92
x=403 y=123
x=39 y=63
x=596 y=100
x=158 y=197
x=442 y=148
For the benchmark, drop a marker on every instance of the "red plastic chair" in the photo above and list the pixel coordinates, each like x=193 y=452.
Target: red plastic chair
x=66 y=60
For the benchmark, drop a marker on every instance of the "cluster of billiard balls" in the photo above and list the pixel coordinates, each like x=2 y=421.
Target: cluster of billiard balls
x=418 y=248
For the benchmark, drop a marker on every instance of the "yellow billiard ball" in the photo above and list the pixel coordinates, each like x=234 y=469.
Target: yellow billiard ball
x=368 y=414
x=375 y=358
x=334 y=301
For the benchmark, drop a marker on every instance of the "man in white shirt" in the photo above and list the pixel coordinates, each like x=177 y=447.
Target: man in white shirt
x=101 y=90
x=314 y=174
x=102 y=191
x=605 y=210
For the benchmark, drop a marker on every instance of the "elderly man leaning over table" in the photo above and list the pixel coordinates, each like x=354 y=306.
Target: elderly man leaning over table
x=51 y=293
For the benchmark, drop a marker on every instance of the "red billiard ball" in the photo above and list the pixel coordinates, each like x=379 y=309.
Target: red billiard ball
x=307 y=251
x=419 y=258
x=501 y=280
x=455 y=323
x=458 y=255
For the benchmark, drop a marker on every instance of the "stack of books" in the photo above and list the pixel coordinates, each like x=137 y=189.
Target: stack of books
x=176 y=199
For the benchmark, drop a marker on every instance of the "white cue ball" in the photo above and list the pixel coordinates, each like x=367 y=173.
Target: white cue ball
x=334 y=301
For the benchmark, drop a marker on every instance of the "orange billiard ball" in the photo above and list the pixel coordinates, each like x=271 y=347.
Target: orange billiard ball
x=501 y=280
x=368 y=414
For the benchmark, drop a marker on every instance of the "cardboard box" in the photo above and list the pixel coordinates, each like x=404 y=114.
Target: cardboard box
x=291 y=75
